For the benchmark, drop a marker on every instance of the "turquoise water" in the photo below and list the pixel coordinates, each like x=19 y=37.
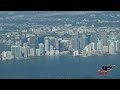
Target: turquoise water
x=59 y=67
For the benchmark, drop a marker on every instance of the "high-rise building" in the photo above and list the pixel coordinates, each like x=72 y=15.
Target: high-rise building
x=51 y=47
x=33 y=41
x=89 y=48
x=75 y=53
x=56 y=52
x=86 y=48
x=64 y=45
x=105 y=49
x=9 y=55
x=111 y=48
x=47 y=44
x=94 y=38
x=75 y=43
x=108 y=42
x=24 y=51
x=32 y=52
x=117 y=45
x=84 y=41
x=37 y=52
x=93 y=46
x=41 y=47
x=88 y=39
x=52 y=41
x=52 y=52
x=70 y=45
x=25 y=44
x=85 y=51
x=118 y=36
x=28 y=50
x=112 y=35
x=4 y=55
x=57 y=43
x=103 y=36
x=16 y=51
x=100 y=45
x=47 y=53
x=7 y=47
x=24 y=39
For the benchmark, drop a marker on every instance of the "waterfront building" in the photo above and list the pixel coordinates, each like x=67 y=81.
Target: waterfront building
x=56 y=52
x=75 y=53
x=100 y=45
x=47 y=44
x=47 y=53
x=52 y=52
x=24 y=51
x=57 y=43
x=16 y=51
x=41 y=47
x=111 y=48
x=93 y=46
x=117 y=45
x=103 y=36
x=105 y=49
x=37 y=52
x=9 y=55
x=32 y=52
x=4 y=55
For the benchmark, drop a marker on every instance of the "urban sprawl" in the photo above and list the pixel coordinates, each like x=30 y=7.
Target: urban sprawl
x=79 y=41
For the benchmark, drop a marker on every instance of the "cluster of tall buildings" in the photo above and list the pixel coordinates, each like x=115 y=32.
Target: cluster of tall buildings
x=80 y=44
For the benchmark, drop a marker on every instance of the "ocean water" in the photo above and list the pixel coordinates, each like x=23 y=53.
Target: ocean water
x=60 y=67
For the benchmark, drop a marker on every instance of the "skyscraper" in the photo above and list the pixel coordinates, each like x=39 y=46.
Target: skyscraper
x=51 y=50
x=89 y=48
x=57 y=43
x=88 y=39
x=93 y=46
x=100 y=45
x=75 y=43
x=117 y=45
x=32 y=52
x=111 y=48
x=64 y=45
x=103 y=36
x=70 y=45
x=16 y=51
x=112 y=35
x=24 y=51
x=37 y=52
x=105 y=49
x=33 y=41
x=4 y=55
x=83 y=41
x=52 y=41
x=94 y=38
x=7 y=47
x=41 y=47
x=47 y=44
x=28 y=50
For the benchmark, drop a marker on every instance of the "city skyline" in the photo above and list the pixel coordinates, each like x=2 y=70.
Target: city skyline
x=59 y=44
x=60 y=39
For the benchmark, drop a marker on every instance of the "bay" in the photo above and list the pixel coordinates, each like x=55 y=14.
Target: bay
x=60 y=67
